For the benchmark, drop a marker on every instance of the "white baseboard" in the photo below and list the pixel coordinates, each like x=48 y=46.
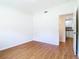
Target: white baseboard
x=14 y=45
x=46 y=42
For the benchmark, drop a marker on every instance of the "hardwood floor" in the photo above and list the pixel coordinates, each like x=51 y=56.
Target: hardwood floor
x=38 y=50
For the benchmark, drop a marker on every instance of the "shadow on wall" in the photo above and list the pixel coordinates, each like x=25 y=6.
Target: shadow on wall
x=10 y=39
x=47 y=38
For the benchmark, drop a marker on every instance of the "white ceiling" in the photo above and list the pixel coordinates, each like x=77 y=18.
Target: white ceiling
x=31 y=6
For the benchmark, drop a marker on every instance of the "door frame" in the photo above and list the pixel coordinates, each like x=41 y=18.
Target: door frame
x=75 y=52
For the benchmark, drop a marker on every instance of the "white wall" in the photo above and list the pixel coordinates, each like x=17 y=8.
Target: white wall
x=46 y=26
x=77 y=3
x=15 y=27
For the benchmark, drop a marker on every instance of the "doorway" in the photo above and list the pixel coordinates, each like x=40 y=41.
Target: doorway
x=69 y=28
x=65 y=27
x=66 y=32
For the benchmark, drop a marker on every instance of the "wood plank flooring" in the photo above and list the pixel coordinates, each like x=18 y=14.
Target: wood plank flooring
x=38 y=50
